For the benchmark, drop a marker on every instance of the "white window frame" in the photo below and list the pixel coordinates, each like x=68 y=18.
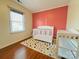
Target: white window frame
x=17 y=22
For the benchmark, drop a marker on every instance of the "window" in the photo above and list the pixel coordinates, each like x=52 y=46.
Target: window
x=16 y=21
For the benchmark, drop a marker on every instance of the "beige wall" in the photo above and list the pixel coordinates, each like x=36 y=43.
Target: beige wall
x=73 y=15
x=7 y=38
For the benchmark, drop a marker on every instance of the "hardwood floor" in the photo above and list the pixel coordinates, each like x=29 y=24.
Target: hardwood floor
x=19 y=51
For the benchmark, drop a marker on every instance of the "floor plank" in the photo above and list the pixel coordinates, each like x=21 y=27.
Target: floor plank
x=21 y=52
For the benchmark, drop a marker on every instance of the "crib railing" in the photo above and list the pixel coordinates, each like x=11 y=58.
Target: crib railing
x=65 y=42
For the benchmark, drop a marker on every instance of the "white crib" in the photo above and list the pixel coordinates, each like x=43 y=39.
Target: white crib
x=44 y=33
x=68 y=44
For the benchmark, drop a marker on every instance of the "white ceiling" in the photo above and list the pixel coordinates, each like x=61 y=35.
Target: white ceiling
x=41 y=5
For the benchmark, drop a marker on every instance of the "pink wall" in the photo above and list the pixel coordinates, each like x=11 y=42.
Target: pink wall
x=55 y=17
